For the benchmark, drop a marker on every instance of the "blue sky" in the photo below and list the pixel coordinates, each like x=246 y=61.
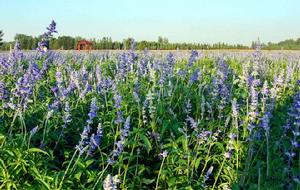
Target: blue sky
x=231 y=21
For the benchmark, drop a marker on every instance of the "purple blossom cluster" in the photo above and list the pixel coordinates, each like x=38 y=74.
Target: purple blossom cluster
x=253 y=108
x=193 y=58
x=118 y=101
x=3 y=91
x=44 y=43
x=95 y=140
x=119 y=145
x=220 y=88
x=84 y=142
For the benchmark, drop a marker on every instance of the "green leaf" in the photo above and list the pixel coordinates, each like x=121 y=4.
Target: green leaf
x=220 y=146
x=34 y=150
x=78 y=175
x=184 y=142
x=35 y=171
x=42 y=182
x=197 y=162
x=172 y=181
x=89 y=162
x=2 y=137
x=9 y=153
x=146 y=143
x=147 y=181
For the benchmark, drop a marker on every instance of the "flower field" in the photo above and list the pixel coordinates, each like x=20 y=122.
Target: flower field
x=141 y=120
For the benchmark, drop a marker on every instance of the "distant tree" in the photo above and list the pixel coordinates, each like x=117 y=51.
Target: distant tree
x=26 y=42
x=1 y=35
x=65 y=42
x=127 y=43
x=6 y=46
x=142 y=45
x=298 y=41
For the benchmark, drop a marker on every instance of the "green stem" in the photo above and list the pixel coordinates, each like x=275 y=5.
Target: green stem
x=246 y=125
x=100 y=176
x=219 y=173
x=194 y=161
x=268 y=155
x=206 y=159
x=259 y=175
x=66 y=171
x=45 y=128
x=131 y=153
x=28 y=142
x=12 y=123
x=127 y=165
x=156 y=186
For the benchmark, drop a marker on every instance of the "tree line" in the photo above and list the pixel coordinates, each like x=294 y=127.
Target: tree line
x=28 y=42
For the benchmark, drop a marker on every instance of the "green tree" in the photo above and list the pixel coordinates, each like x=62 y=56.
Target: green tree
x=127 y=43
x=26 y=42
x=1 y=35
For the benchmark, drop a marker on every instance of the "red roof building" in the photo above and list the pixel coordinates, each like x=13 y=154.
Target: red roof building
x=84 y=45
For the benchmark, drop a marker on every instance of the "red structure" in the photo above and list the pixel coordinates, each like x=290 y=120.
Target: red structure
x=84 y=45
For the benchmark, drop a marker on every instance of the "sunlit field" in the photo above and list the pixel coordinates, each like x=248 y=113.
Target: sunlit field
x=149 y=119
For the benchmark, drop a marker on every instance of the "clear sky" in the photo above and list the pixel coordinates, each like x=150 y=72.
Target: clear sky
x=231 y=21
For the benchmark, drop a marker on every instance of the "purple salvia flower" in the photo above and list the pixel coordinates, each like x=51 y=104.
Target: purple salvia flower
x=256 y=59
x=293 y=125
x=17 y=54
x=143 y=65
x=93 y=111
x=151 y=106
x=193 y=123
x=265 y=90
x=195 y=76
x=55 y=105
x=203 y=136
x=34 y=71
x=111 y=183
x=136 y=91
x=51 y=28
x=232 y=136
x=164 y=154
x=234 y=108
x=3 y=91
x=44 y=43
x=84 y=75
x=118 y=101
x=117 y=105
x=265 y=93
x=221 y=89
x=182 y=73
x=83 y=144
x=227 y=155
x=59 y=77
x=87 y=88
x=120 y=144
x=126 y=128
x=34 y=130
x=253 y=112
x=188 y=107
x=95 y=140
x=192 y=58
x=208 y=173
x=265 y=122
x=289 y=73
x=67 y=114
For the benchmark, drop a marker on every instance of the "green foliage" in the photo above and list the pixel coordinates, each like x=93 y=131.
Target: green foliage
x=1 y=35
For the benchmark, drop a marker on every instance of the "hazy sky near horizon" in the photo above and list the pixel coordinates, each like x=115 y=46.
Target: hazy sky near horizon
x=203 y=21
